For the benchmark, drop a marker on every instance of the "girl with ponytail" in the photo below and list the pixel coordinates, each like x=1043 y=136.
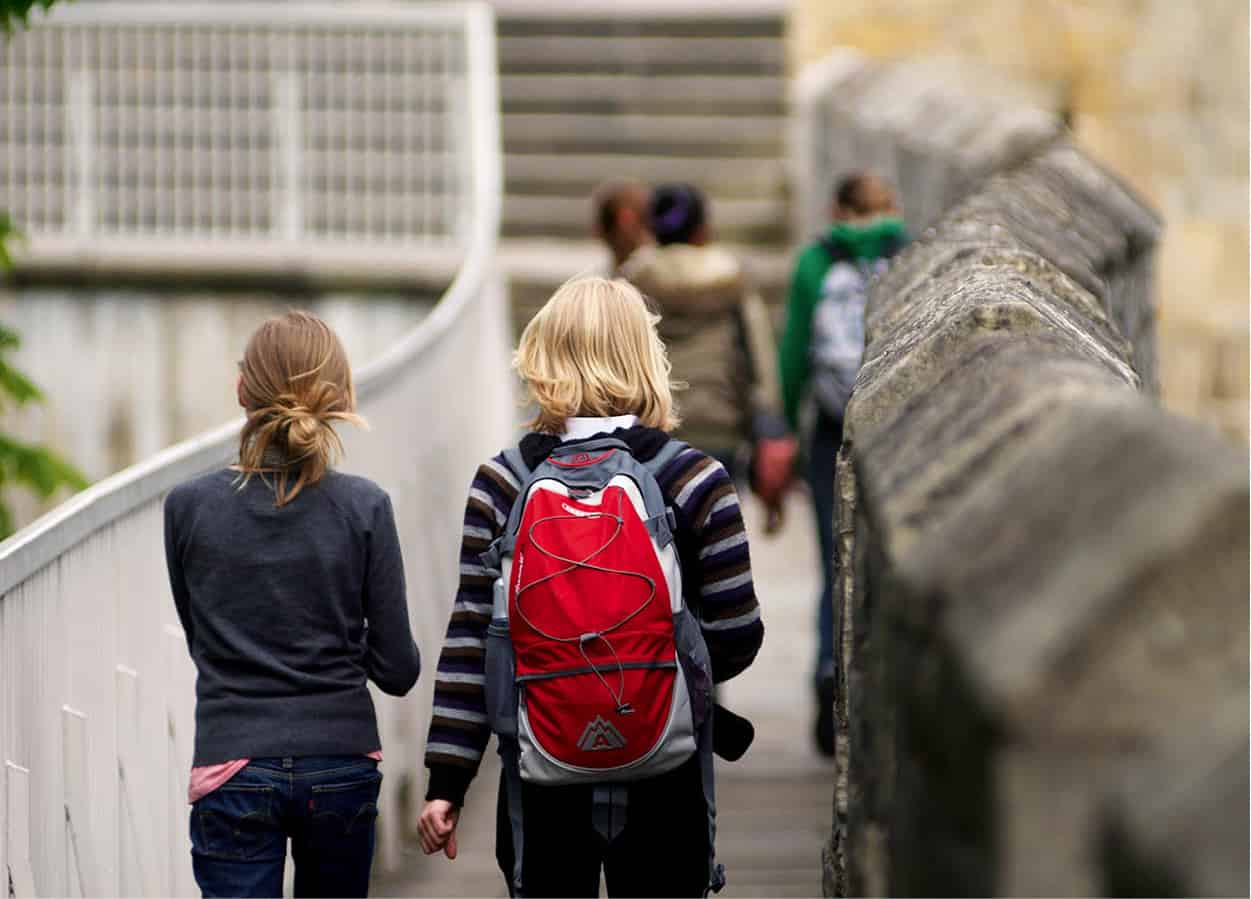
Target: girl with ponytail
x=289 y=584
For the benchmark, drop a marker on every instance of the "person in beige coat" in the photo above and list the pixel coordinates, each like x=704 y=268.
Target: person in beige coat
x=720 y=342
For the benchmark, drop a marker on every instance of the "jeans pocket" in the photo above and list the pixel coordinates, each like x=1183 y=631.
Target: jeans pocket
x=346 y=806
x=237 y=822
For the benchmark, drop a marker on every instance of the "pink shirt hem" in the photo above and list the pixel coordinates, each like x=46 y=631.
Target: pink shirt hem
x=207 y=778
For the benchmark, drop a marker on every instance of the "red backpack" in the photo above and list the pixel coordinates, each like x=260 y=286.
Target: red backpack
x=596 y=671
x=594 y=664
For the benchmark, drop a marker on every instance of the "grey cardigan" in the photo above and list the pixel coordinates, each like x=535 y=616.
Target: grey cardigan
x=287 y=612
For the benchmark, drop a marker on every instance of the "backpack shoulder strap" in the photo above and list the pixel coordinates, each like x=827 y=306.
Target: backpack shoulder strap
x=836 y=251
x=654 y=466
x=502 y=545
x=894 y=245
x=517 y=462
x=670 y=451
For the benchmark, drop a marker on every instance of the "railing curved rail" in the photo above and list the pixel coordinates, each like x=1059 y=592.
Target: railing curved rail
x=96 y=693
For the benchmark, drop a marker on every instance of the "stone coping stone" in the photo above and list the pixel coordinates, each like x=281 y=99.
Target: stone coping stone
x=1053 y=604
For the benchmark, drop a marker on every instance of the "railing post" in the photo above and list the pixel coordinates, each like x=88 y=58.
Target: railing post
x=133 y=843
x=20 y=874
x=180 y=719
x=4 y=832
x=80 y=859
x=290 y=137
x=79 y=111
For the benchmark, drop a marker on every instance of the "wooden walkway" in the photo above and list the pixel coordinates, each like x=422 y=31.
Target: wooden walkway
x=775 y=805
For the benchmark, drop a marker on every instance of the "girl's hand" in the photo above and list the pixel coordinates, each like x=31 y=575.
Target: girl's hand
x=437 y=827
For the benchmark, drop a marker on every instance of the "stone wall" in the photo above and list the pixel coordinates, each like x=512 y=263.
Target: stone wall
x=1155 y=89
x=1043 y=590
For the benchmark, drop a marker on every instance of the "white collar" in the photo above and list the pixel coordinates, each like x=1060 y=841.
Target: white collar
x=579 y=427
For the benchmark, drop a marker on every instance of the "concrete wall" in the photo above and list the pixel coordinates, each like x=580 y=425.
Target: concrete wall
x=1043 y=584
x=129 y=372
x=1155 y=89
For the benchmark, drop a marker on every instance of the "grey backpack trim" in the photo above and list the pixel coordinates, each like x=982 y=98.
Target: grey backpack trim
x=517 y=462
x=670 y=451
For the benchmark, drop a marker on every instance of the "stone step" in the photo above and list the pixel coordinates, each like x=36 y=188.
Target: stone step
x=666 y=55
x=651 y=134
x=669 y=19
x=720 y=176
x=752 y=221
x=657 y=97
x=752 y=94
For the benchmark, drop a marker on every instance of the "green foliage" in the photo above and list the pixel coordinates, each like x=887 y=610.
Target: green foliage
x=8 y=234
x=35 y=468
x=15 y=387
x=31 y=466
x=16 y=13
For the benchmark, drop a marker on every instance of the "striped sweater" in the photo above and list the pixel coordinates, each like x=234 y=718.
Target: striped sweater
x=716 y=573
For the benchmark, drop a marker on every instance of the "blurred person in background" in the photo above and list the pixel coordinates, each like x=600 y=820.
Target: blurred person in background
x=619 y=220
x=720 y=343
x=289 y=584
x=820 y=355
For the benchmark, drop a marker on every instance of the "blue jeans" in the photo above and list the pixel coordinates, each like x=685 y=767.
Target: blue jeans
x=326 y=806
x=827 y=437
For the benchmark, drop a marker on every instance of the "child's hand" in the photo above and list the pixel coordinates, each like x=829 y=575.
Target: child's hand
x=437 y=827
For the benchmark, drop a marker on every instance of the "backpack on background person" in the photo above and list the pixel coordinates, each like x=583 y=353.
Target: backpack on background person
x=837 y=343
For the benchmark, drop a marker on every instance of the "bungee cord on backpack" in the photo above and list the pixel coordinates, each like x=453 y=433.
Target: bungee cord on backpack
x=584 y=564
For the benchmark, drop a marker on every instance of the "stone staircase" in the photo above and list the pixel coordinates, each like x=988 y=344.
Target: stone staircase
x=655 y=97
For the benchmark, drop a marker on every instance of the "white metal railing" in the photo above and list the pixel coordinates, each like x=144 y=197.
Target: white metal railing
x=130 y=130
x=924 y=125
x=664 y=10
x=96 y=688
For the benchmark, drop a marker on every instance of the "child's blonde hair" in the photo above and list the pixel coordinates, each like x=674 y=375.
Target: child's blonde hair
x=295 y=382
x=593 y=350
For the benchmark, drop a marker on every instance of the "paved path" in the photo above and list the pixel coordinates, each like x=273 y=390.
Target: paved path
x=775 y=805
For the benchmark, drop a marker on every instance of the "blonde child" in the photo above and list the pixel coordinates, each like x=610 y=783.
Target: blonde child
x=597 y=371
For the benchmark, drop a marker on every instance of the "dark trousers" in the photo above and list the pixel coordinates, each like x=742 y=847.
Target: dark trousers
x=827 y=437
x=326 y=806
x=663 y=850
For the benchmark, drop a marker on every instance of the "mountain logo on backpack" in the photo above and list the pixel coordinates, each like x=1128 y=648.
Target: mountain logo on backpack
x=600 y=735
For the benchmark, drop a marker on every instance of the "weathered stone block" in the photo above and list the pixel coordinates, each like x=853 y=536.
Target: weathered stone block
x=1026 y=532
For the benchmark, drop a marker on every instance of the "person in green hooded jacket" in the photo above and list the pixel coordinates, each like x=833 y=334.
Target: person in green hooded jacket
x=819 y=357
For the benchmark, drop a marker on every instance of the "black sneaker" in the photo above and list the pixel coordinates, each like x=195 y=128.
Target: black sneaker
x=823 y=730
